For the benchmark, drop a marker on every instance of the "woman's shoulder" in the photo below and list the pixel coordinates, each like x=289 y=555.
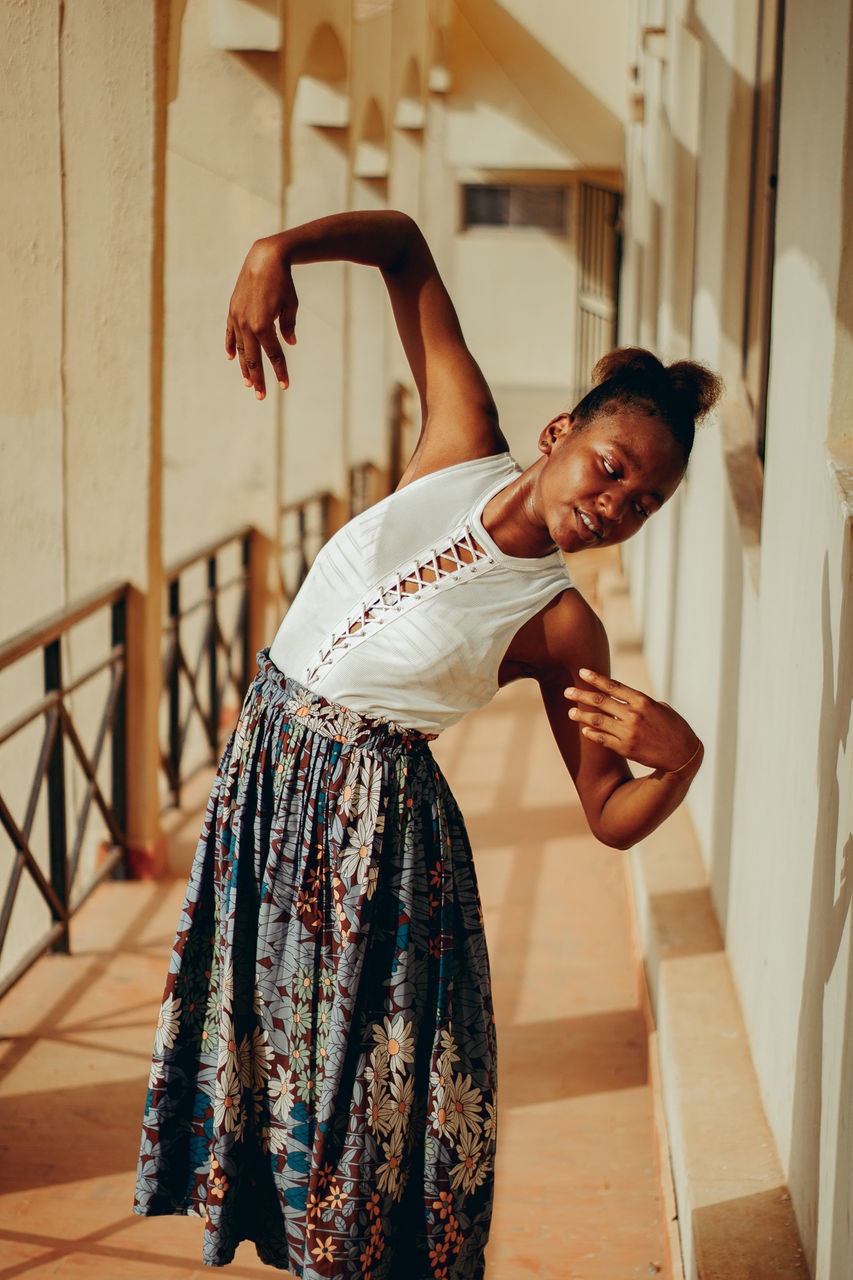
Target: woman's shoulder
x=565 y=635
x=440 y=447
x=468 y=477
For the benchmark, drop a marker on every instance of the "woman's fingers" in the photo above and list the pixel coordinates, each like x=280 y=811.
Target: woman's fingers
x=275 y=355
x=264 y=293
x=595 y=698
x=607 y=684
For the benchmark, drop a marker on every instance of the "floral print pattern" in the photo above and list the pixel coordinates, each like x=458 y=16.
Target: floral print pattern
x=323 y=1080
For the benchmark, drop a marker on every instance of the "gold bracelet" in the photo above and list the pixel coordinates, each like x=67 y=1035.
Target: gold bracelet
x=686 y=762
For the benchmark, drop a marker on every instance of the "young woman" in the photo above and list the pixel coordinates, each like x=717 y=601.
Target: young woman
x=323 y=1080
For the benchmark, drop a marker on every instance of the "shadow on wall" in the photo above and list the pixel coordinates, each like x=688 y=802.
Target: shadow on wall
x=829 y=909
x=578 y=120
x=726 y=731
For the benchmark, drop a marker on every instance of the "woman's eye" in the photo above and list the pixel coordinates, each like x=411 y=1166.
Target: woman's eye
x=611 y=470
x=641 y=511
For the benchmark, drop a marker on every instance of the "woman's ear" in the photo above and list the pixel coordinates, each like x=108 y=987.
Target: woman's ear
x=556 y=428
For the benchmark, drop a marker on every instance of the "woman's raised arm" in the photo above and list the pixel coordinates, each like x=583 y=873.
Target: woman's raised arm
x=459 y=419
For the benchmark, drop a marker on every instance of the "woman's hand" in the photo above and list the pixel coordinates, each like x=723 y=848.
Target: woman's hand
x=264 y=293
x=632 y=724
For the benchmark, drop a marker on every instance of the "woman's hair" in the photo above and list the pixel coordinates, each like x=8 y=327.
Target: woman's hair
x=632 y=379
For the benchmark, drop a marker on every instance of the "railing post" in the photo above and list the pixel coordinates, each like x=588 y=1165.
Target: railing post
x=252 y=589
x=118 y=737
x=57 y=841
x=212 y=682
x=303 y=552
x=175 y=691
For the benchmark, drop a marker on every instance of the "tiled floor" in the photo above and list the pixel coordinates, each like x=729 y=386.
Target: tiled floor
x=578 y=1190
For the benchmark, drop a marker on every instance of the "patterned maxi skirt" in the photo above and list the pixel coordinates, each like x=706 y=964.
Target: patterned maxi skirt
x=323 y=1080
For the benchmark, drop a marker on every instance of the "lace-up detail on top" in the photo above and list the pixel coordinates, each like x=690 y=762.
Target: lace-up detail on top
x=460 y=559
x=409 y=609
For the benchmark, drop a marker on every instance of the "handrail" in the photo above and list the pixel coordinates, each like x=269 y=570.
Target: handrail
x=43 y=633
x=60 y=745
x=205 y=551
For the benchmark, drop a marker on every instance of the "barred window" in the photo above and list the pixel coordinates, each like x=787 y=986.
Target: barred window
x=514 y=205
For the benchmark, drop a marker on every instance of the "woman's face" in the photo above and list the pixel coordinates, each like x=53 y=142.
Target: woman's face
x=603 y=481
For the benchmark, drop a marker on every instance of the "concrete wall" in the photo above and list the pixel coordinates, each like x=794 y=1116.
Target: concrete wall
x=748 y=624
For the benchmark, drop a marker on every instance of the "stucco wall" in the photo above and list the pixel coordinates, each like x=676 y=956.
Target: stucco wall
x=753 y=642
x=223 y=190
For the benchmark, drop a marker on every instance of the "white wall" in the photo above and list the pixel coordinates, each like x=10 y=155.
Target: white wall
x=753 y=642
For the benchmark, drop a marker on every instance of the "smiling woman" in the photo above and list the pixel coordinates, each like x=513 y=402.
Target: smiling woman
x=323 y=1079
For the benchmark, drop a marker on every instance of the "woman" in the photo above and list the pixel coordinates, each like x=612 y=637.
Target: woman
x=324 y=1072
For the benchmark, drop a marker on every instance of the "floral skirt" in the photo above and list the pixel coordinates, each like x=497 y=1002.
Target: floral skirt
x=323 y=1080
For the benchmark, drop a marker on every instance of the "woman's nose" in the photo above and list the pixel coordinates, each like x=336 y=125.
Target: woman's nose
x=612 y=506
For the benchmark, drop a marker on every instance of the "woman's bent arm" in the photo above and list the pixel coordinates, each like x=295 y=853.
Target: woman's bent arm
x=609 y=724
x=458 y=412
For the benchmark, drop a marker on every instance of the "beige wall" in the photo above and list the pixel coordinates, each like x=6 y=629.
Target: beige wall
x=750 y=635
x=222 y=191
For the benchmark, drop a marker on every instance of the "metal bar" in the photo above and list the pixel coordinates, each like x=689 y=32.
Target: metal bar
x=174 y=571
x=175 y=691
x=118 y=735
x=44 y=634
x=56 y=794
x=51 y=728
x=212 y=656
x=90 y=769
x=44 y=705
x=242 y=627
x=195 y=701
x=9 y=898
x=21 y=843
x=44 y=944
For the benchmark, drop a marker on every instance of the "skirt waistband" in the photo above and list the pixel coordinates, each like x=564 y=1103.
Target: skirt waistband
x=330 y=719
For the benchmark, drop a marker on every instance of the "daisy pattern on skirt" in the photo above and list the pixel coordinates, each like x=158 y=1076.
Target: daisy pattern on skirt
x=467 y=1102
x=356 y=861
x=168 y=1022
x=227 y=1112
x=380 y=1112
x=395 y=1037
x=388 y=1173
x=472 y=1168
x=402 y=1097
x=282 y=1094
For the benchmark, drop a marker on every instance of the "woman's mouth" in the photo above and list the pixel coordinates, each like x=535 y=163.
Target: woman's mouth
x=589 y=529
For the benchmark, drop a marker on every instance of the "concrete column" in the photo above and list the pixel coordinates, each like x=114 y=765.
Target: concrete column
x=113 y=126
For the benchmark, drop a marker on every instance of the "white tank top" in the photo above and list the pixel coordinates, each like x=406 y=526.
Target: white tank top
x=408 y=610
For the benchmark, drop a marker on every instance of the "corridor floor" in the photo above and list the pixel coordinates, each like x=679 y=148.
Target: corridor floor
x=579 y=1189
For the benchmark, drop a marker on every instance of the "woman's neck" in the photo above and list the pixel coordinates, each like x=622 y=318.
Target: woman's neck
x=510 y=518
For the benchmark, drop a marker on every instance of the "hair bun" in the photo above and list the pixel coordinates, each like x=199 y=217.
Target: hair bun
x=632 y=362
x=634 y=380
x=695 y=388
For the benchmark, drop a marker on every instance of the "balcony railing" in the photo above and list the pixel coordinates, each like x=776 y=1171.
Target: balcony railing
x=47 y=848
x=305 y=526
x=205 y=657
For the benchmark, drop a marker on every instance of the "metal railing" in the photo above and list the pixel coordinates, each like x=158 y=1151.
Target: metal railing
x=305 y=526
x=367 y=484
x=195 y=685
x=61 y=743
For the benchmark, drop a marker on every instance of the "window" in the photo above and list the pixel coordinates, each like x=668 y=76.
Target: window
x=513 y=205
x=762 y=225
